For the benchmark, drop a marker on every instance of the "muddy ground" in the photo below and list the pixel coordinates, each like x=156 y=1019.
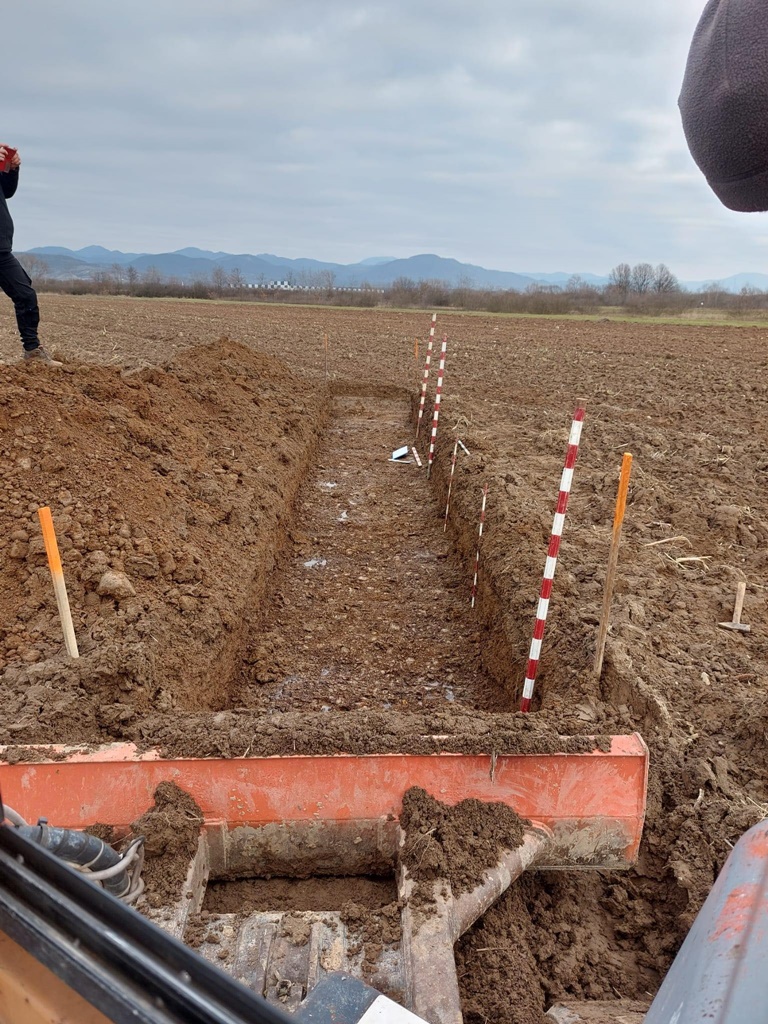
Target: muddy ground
x=240 y=554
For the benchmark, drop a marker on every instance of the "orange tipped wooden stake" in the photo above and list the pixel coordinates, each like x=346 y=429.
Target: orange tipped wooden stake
x=613 y=559
x=57 y=574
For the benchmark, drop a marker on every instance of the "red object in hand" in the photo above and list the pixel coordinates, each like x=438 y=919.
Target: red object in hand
x=10 y=153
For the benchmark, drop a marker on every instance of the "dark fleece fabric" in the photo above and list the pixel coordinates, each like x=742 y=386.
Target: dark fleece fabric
x=8 y=183
x=724 y=101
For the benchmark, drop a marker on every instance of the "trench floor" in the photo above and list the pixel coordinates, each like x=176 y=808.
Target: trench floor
x=370 y=608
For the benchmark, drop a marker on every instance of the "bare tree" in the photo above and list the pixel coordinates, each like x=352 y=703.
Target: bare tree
x=236 y=279
x=714 y=296
x=117 y=270
x=133 y=278
x=620 y=279
x=326 y=279
x=103 y=280
x=664 y=281
x=34 y=265
x=642 y=278
x=151 y=284
x=219 y=279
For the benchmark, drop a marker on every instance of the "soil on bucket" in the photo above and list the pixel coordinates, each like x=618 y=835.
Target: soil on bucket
x=372 y=930
x=244 y=733
x=248 y=895
x=456 y=843
x=171 y=829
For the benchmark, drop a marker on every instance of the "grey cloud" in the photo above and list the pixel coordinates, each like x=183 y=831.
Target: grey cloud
x=512 y=134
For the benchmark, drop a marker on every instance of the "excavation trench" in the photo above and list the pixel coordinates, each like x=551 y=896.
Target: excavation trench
x=369 y=608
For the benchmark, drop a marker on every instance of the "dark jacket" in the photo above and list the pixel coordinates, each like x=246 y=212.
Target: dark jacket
x=9 y=181
x=724 y=101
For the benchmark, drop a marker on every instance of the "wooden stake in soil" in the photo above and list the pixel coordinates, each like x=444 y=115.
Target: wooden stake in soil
x=479 y=540
x=438 y=396
x=613 y=560
x=551 y=562
x=425 y=379
x=450 y=484
x=57 y=574
x=416 y=350
x=325 y=346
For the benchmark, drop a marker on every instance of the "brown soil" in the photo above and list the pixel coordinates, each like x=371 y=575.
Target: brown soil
x=498 y=969
x=155 y=479
x=219 y=439
x=171 y=829
x=396 y=633
x=242 y=733
x=372 y=931
x=250 y=895
x=456 y=843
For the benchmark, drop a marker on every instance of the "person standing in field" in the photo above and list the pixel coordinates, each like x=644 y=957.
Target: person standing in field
x=724 y=102
x=14 y=280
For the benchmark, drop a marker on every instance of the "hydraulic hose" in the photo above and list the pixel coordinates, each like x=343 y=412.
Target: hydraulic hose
x=82 y=849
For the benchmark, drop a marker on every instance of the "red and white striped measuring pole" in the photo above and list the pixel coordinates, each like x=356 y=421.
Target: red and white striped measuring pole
x=479 y=541
x=450 y=484
x=438 y=395
x=425 y=380
x=551 y=562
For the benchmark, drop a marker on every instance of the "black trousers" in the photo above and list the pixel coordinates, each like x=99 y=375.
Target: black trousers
x=17 y=285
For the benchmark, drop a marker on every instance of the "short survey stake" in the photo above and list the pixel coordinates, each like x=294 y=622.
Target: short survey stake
x=57 y=574
x=479 y=542
x=450 y=484
x=613 y=560
x=551 y=562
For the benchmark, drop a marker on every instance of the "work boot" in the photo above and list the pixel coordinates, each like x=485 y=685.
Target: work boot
x=40 y=355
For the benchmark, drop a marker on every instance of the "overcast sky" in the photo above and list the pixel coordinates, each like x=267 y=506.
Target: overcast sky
x=527 y=135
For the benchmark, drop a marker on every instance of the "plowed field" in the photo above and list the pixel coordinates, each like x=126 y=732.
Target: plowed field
x=236 y=543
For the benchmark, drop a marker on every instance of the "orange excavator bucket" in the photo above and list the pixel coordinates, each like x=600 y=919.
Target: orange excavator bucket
x=592 y=803
x=338 y=815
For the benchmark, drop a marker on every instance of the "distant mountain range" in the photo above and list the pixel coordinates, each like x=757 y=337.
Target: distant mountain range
x=199 y=264
x=191 y=264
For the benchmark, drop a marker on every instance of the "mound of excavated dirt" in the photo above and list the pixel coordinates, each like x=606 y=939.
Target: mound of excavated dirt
x=169 y=489
x=244 y=733
x=457 y=843
x=171 y=828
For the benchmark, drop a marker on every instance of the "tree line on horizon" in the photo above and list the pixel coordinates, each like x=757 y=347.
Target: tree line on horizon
x=642 y=288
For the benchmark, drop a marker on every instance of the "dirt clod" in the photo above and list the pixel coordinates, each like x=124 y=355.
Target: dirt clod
x=171 y=829
x=456 y=843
